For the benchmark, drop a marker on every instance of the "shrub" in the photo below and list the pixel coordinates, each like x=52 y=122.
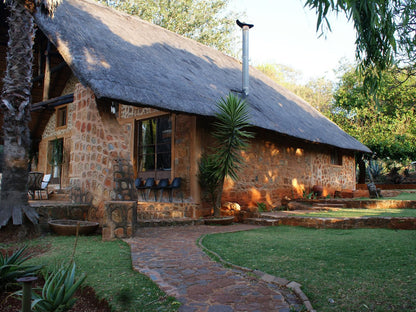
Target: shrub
x=58 y=290
x=12 y=267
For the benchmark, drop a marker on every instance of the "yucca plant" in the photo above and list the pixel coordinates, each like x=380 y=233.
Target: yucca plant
x=231 y=138
x=12 y=267
x=58 y=290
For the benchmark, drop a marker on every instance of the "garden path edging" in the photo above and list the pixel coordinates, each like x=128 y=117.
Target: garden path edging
x=282 y=282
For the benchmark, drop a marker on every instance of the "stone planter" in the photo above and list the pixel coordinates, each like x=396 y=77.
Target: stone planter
x=69 y=227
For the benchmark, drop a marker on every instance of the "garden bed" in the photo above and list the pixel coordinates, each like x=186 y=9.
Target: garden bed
x=86 y=301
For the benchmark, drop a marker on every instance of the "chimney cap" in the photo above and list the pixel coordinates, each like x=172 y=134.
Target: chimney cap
x=243 y=24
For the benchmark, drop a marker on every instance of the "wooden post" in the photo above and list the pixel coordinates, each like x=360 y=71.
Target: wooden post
x=47 y=77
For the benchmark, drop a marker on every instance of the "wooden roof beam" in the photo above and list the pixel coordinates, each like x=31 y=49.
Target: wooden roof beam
x=61 y=100
x=52 y=70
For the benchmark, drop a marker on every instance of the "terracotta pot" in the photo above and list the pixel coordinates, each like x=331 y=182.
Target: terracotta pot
x=318 y=190
x=69 y=227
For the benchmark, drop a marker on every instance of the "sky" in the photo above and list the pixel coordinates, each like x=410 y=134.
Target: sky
x=284 y=32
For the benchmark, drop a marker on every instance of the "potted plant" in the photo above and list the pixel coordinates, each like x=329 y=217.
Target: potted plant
x=225 y=159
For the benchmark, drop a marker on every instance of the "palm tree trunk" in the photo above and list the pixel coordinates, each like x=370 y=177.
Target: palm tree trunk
x=15 y=102
x=217 y=206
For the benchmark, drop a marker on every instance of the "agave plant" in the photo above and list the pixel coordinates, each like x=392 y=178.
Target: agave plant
x=58 y=290
x=12 y=267
x=374 y=169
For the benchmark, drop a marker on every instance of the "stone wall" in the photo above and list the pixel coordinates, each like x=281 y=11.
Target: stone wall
x=97 y=140
x=277 y=167
x=51 y=133
x=167 y=210
x=397 y=223
x=55 y=211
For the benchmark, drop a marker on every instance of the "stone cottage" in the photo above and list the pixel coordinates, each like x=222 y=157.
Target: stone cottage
x=105 y=82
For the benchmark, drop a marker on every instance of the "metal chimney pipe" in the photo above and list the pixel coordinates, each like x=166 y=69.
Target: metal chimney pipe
x=245 y=28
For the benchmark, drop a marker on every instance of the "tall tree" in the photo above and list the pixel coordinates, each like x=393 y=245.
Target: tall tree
x=208 y=22
x=385 y=33
x=374 y=23
x=317 y=92
x=387 y=127
x=15 y=102
x=405 y=11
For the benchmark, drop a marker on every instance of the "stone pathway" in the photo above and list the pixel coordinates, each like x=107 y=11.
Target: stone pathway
x=171 y=258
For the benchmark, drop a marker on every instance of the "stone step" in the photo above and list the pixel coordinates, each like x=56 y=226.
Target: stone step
x=269 y=216
x=262 y=221
x=59 y=196
x=327 y=205
x=169 y=222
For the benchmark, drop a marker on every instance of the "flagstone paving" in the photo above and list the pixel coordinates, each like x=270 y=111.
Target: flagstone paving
x=171 y=258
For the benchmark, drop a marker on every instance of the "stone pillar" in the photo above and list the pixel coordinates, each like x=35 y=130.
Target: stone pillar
x=97 y=140
x=119 y=219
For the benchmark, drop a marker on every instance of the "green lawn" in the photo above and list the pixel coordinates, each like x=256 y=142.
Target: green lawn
x=357 y=270
x=402 y=196
x=343 y=213
x=109 y=271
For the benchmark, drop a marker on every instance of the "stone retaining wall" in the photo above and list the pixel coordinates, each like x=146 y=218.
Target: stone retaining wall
x=389 y=186
x=351 y=223
x=120 y=217
x=163 y=210
x=367 y=204
x=55 y=211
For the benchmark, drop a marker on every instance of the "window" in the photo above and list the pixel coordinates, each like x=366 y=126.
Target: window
x=336 y=157
x=55 y=159
x=154 y=145
x=61 y=115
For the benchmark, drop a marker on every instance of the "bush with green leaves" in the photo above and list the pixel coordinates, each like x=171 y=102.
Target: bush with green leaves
x=261 y=207
x=225 y=158
x=13 y=267
x=58 y=290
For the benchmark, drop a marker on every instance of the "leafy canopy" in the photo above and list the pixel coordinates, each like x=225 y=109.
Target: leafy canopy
x=317 y=91
x=374 y=23
x=388 y=126
x=208 y=22
x=385 y=33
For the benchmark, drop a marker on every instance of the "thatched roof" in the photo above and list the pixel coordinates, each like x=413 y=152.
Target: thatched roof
x=125 y=58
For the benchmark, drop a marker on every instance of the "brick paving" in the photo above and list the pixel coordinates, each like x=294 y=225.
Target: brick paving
x=171 y=258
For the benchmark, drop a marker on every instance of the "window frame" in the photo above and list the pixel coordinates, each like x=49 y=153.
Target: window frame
x=58 y=117
x=335 y=157
x=156 y=172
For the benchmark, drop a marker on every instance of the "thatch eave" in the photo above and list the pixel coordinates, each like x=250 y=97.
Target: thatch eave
x=126 y=59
